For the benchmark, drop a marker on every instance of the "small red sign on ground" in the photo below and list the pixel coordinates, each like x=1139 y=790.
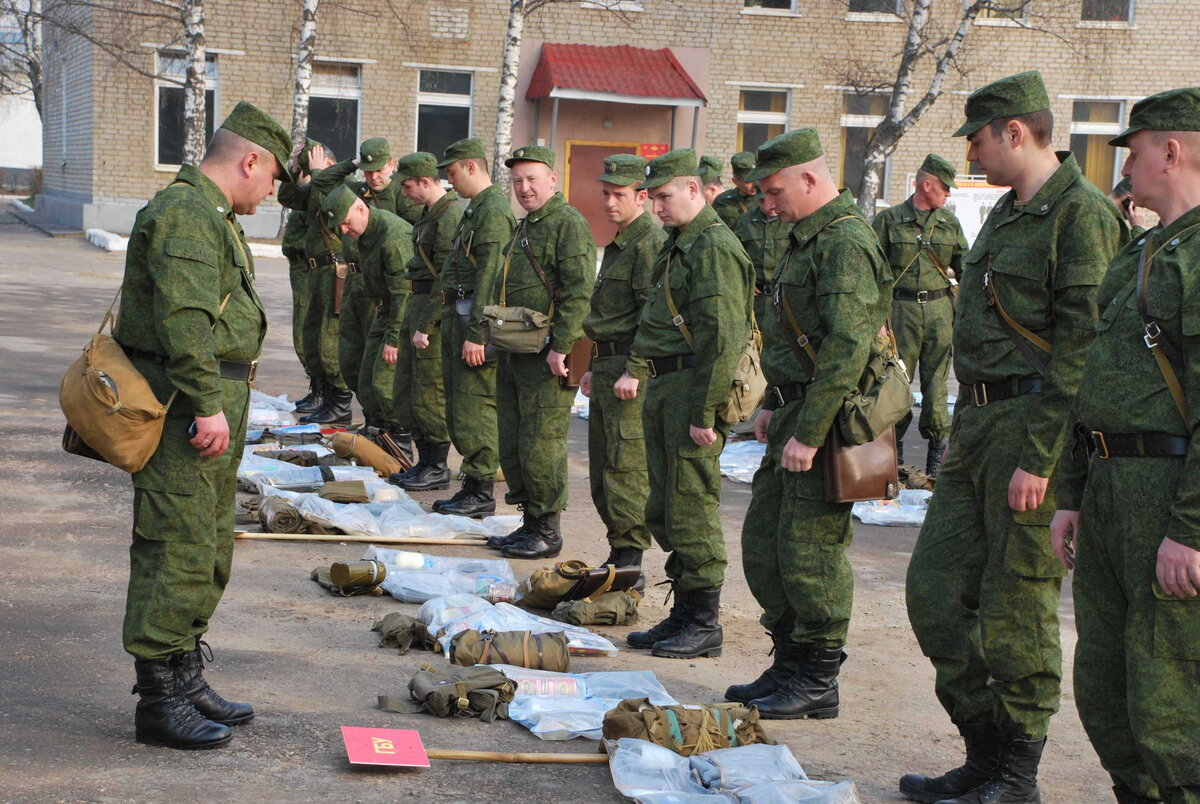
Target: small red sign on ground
x=400 y=747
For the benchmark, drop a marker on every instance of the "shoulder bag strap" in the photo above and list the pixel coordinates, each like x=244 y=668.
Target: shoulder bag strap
x=801 y=345
x=1166 y=355
x=503 y=277
x=1022 y=338
x=676 y=318
x=523 y=235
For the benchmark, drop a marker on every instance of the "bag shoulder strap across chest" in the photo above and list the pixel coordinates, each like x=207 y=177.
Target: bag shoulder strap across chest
x=1027 y=343
x=1166 y=354
x=925 y=243
x=676 y=318
x=800 y=343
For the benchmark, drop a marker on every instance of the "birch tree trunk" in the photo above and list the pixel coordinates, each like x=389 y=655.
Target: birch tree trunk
x=196 y=83
x=304 y=68
x=506 y=108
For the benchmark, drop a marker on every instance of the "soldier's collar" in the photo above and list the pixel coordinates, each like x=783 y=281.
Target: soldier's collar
x=552 y=205
x=807 y=228
x=634 y=231
x=212 y=193
x=440 y=204
x=686 y=236
x=1044 y=199
x=479 y=198
x=1171 y=237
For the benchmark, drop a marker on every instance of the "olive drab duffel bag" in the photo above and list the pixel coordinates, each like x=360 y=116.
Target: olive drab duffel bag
x=482 y=692
x=685 y=729
x=519 y=648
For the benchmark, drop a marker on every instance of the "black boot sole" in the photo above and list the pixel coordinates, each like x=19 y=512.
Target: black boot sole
x=434 y=487
x=818 y=714
x=924 y=796
x=711 y=653
x=151 y=739
x=237 y=721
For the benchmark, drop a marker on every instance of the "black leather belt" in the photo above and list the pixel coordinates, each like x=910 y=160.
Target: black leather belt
x=420 y=286
x=985 y=393
x=1132 y=445
x=229 y=369
x=789 y=392
x=325 y=259
x=451 y=296
x=920 y=296
x=610 y=348
x=665 y=365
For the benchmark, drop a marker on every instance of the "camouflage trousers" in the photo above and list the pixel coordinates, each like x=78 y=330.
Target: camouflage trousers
x=682 y=511
x=924 y=333
x=794 y=546
x=298 y=277
x=533 y=413
x=470 y=403
x=182 y=548
x=1137 y=662
x=420 y=391
x=983 y=585
x=617 y=457
x=360 y=353
x=322 y=329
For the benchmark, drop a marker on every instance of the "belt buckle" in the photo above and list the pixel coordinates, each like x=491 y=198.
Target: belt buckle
x=977 y=399
x=595 y=349
x=253 y=371
x=1101 y=444
x=779 y=395
x=922 y=296
x=650 y=365
x=312 y=263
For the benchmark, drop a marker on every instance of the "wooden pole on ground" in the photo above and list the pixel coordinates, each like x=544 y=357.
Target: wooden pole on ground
x=469 y=539
x=498 y=756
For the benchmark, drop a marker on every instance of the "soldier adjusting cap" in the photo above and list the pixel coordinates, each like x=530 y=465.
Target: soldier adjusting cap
x=1015 y=95
x=1173 y=110
x=470 y=148
x=531 y=153
x=671 y=165
x=623 y=169
x=417 y=165
x=249 y=121
x=337 y=205
x=938 y=167
x=789 y=148
x=374 y=154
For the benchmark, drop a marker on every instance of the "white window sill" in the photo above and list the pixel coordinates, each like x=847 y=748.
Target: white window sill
x=865 y=16
x=1107 y=25
x=757 y=11
x=624 y=5
x=998 y=22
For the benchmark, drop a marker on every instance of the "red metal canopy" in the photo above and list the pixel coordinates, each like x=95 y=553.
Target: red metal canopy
x=619 y=73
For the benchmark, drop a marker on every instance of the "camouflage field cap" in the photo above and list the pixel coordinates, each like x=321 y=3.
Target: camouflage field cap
x=789 y=148
x=938 y=167
x=1015 y=95
x=671 y=165
x=374 y=154
x=531 y=153
x=742 y=163
x=337 y=205
x=1173 y=110
x=249 y=121
x=710 y=169
x=470 y=148
x=417 y=165
x=623 y=169
x=309 y=142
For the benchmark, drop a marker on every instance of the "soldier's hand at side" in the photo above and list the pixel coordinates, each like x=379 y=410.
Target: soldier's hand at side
x=797 y=456
x=702 y=436
x=390 y=353
x=420 y=340
x=626 y=387
x=557 y=362
x=1064 y=533
x=760 y=425
x=585 y=384
x=472 y=353
x=212 y=435
x=1178 y=569
x=1026 y=491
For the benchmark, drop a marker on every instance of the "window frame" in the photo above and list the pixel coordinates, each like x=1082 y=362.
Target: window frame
x=745 y=116
x=895 y=15
x=1109 y=130
x=793 y=10
x=212 y=84
x=1128 y=21
x=450 y=99
x=862 y=121
x=341 y=93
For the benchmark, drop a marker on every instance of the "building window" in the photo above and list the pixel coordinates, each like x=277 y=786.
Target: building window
x=762 y=114
x=778 y=5
x=443 y=109
x=170 y=126
x=1007 y=14
x=861 y=113
x=1106 y=10
x=333 y=106
x=1093 y=124
x=875 y=6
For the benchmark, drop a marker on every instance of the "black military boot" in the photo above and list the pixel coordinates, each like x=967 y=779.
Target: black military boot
x=519 y=535
x=1015 y=779
x=627 y=557
x=474 y=499
x=204 y=697
x=312 y=400
x=983 y=756
x=544 y=539
x=676 y=620
x=435 y=474
x=812 y=691
x=786 y=664
x=335 y=411
x=165 y=716
x=701 y=635
x=933 y=460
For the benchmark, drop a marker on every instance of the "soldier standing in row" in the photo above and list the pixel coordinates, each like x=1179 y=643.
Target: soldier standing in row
x=420 y=390
x=548 y=267
x=1132 y=533
x=738 y=199
x=380 y=187
x=295 y=231
x=983 y=585
x=710 y=177
x=702 y=281
x=765 y=238
x=925 y=245
x=832 y=288
x=616 y=444
x=466 y=284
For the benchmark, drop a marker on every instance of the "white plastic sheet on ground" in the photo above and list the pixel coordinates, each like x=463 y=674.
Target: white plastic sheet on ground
x=563 y=706
x=907 y=510
x=748 y=774
x=951 y=399
x=741 y=459
x=418 y=577
x=270 y=411
x=256 y=435
x=447 y=616
x=581 y=406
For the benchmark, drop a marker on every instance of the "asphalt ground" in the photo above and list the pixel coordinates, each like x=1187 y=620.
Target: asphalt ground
x=309 y=662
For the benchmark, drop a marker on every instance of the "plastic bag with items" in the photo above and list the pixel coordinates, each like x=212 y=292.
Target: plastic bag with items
x=419 y=577
x=446 y=616
x=907 y=510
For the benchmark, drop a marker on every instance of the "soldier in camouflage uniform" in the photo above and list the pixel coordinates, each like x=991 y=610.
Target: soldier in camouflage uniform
x=192 y=324
x=740 y=198
x=1132 y=533
x=374 y=302
x=925 y=245
x=616 y=445
x=295 y=232
x=420 y=390
x=983 y=585
x=834 y=282
x=466 y=282
x=765 y=238
x=711 y=284
x=548 y=267
x=710 y=177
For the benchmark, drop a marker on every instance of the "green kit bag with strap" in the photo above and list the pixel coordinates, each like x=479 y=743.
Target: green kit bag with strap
x=521 y=330
x=482 y=692
x=688 y=728
x=519 y=648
